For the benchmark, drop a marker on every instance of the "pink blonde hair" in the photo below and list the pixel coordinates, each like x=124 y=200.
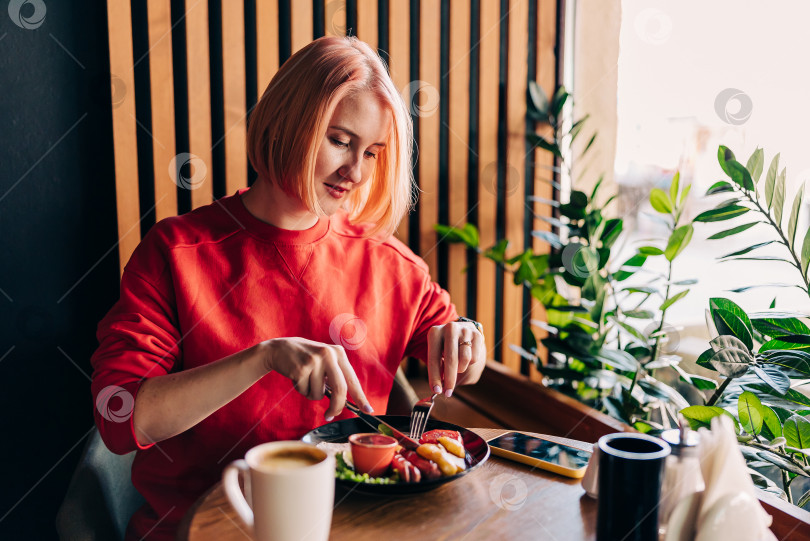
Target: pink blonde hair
x=289 y=124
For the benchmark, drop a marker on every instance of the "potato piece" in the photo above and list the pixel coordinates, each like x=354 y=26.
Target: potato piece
x=435 y=453
x=453 y=446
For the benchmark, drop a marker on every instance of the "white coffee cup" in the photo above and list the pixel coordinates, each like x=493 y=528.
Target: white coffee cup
x=289 y=491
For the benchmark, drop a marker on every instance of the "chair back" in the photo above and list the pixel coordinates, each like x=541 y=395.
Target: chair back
x=100 y=499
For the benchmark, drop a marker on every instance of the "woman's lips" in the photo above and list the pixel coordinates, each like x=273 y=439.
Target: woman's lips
x=336 y=191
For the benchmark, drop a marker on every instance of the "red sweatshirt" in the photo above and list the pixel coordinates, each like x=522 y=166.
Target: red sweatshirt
x=215 y=281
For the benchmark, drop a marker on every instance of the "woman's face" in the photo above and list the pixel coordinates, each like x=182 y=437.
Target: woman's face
x=348 y=154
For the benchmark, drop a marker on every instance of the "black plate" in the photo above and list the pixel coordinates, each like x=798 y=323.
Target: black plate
x=339 y=432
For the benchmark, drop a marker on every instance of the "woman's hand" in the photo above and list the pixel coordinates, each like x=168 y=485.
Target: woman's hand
x=462 y=348
x=310 y=365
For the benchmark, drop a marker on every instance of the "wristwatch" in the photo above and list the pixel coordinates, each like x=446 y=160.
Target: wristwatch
x=468 y=320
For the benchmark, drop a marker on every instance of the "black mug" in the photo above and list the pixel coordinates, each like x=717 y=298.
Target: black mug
x=631 y=469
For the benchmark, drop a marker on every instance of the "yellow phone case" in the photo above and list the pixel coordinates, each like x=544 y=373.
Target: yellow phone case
x=542 y=464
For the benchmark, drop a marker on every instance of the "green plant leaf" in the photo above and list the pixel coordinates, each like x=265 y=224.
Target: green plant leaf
x=779 y=197
x=755 y=163
x=791 y=396
x=747 y=249
x=617 y=358
x=794 y=216
x=629 y=267
x=498 y=252
x=796 y=431
x=782 y=462
x=576 y=128
x=538 y=98
x=705 y=358
x=548 y=237
x=678 y=240
x=724 y=155
x=538 y=141
x=468 y=234
x=650 y=250
x=740 y=174
x=790 y=359
x=804 y=500
x=731 y=362
x=771 y=425
x=672 y=300
x=805 y=252
x=749 y=410
x=770 y=180
x=684 y=193
x=660 y=202
x=558 y=100
x=634 y=333
x=613 y=228
x=732 y=231
x=729 y=323
x=725 y=213
x=720 y=186
x=777 y=381
x=782 y=343
x=775 y=328
x=639 y=314
x=674 y=187
x=725 y=304
x=589 y=145
x=701 y=416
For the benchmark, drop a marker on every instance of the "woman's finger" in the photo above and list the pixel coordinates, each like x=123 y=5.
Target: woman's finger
x=452 y=333
x=465 y=349
x=337 y=383
x=434 y=360
x=352 y=381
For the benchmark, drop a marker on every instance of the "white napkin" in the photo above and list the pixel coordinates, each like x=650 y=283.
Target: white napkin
x=729 y=508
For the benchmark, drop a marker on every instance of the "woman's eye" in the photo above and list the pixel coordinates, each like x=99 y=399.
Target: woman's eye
x=339 y=143
x=371 y=155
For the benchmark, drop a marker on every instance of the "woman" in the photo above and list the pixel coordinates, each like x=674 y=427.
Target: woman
x=232 y=318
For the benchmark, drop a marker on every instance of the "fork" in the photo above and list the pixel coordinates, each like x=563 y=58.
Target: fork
x=420 y=415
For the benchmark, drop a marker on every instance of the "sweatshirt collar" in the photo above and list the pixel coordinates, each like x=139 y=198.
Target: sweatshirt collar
x=270 y=232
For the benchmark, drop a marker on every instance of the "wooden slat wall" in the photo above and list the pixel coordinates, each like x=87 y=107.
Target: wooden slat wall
x=125 y=140
x=488 y=88
x=233 y=92
x=399 y=31
x=547 y=78
x=484 y=45
x=429 y=124
x=162 y=93
x=199 y=95
x=266 y=43
x=458 y=79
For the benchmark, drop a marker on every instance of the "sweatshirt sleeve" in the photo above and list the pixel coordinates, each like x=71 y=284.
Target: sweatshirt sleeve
x=435 y=308
x=138 y=339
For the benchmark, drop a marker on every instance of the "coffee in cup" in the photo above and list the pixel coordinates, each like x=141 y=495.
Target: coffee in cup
x=289 y=491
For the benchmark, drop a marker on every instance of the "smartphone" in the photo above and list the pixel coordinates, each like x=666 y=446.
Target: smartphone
x=548 y=455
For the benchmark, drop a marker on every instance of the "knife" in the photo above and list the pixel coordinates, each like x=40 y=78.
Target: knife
x=374 y=422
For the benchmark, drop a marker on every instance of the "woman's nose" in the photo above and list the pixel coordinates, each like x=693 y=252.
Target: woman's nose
x=352 y=170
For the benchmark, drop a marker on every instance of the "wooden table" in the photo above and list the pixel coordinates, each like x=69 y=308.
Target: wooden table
x=499 y=500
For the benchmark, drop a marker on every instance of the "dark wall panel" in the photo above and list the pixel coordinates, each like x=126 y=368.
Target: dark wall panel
x=58 y=257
